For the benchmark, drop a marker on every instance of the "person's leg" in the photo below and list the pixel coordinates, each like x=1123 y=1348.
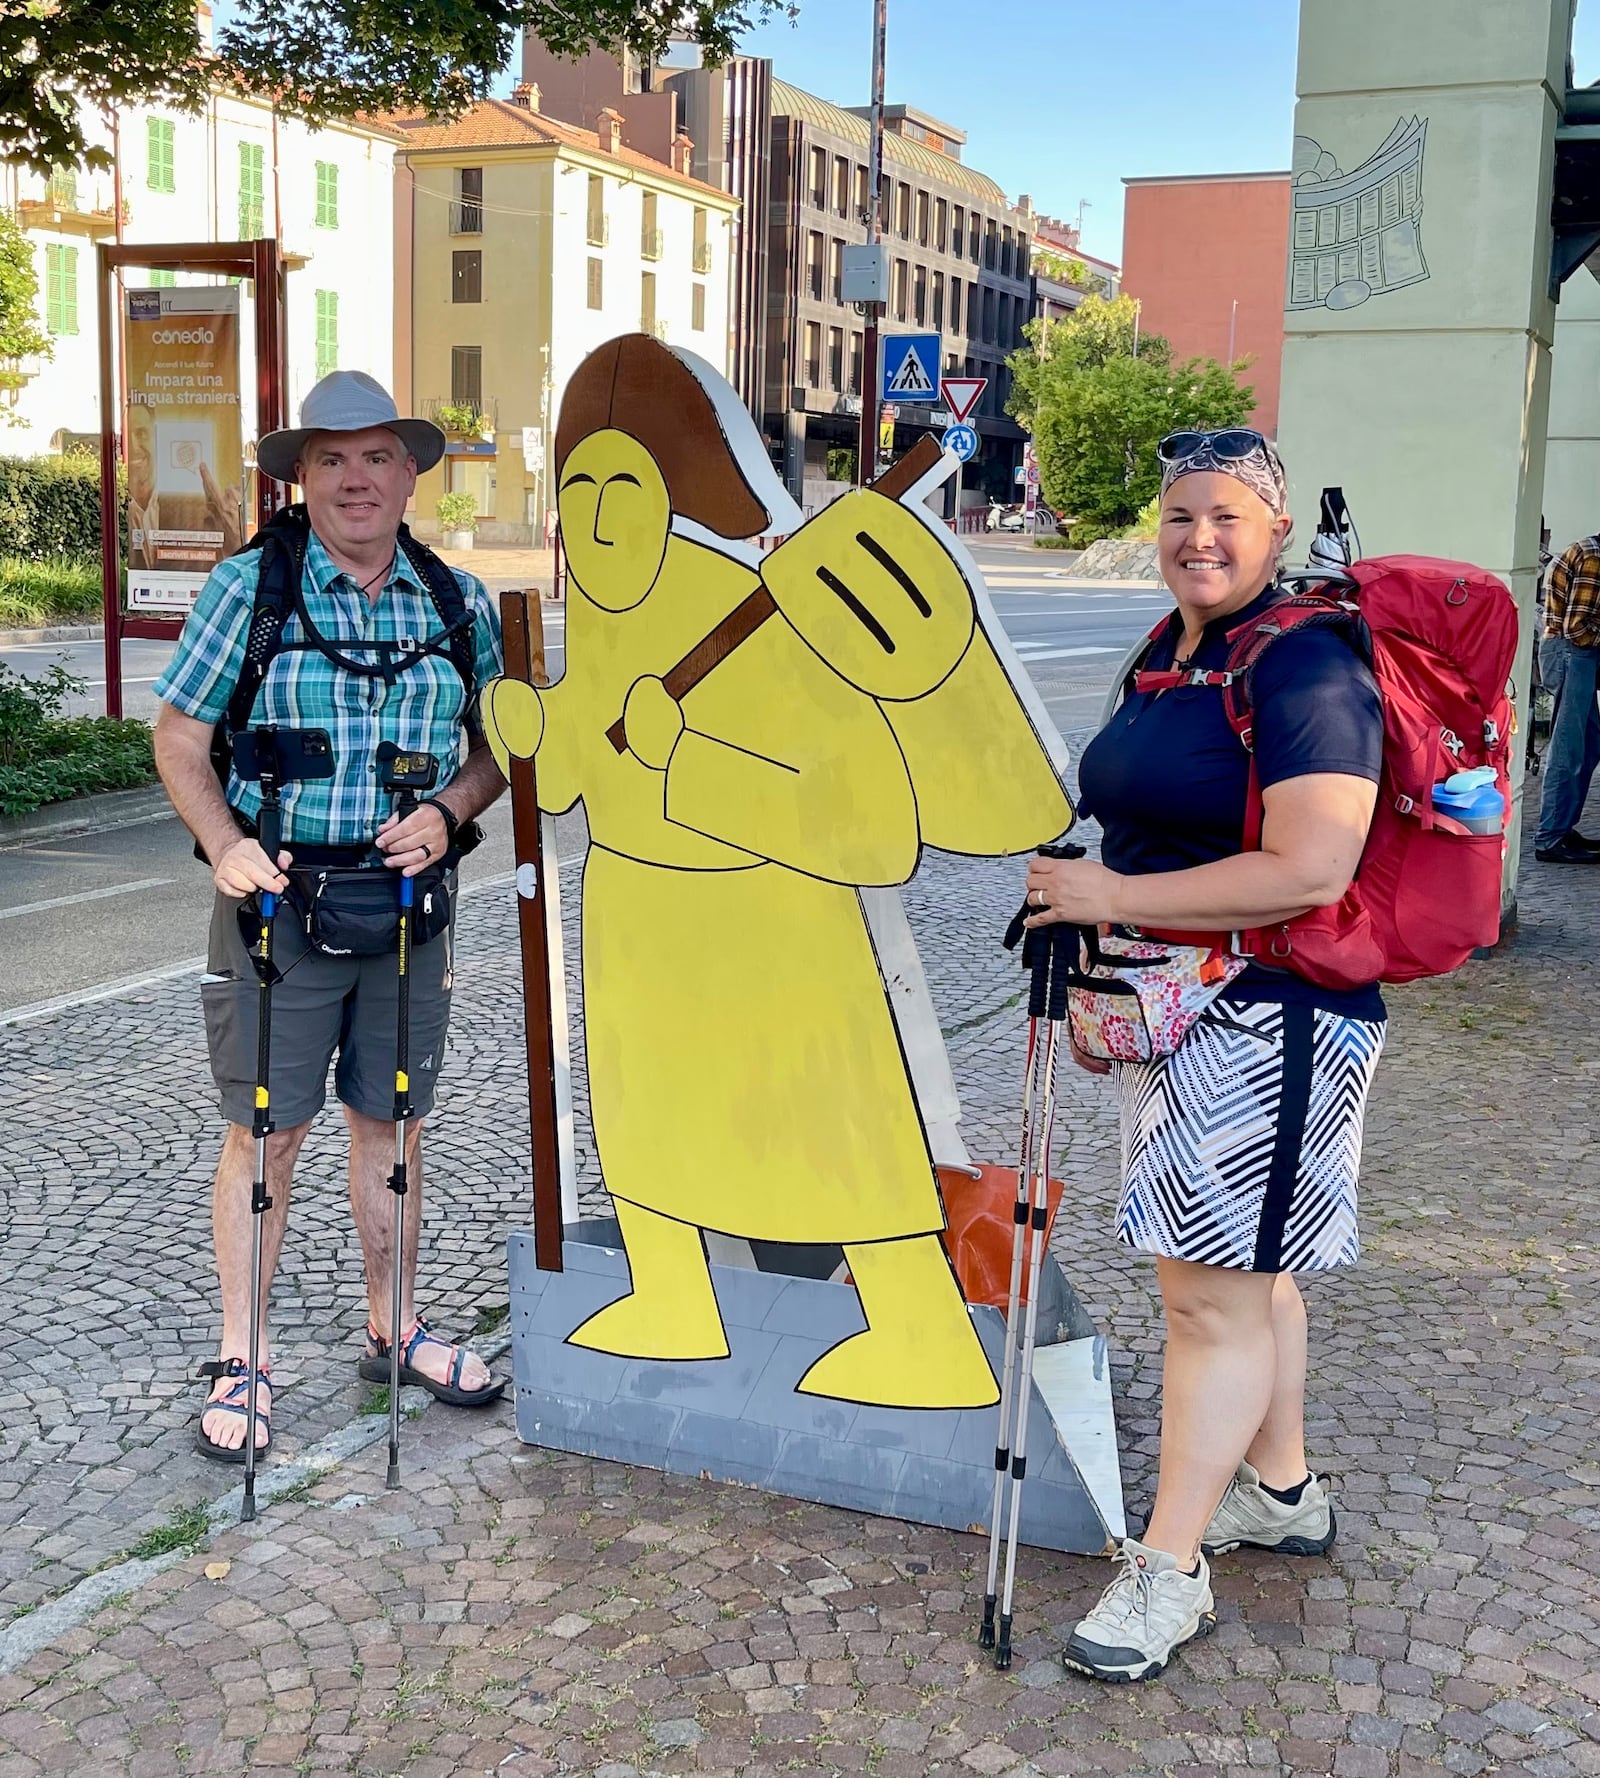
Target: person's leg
x=1277 y=1453
x=231 y=1219
x=372 y=1206
x=1591 y=742
x=1217 y=1386
x=1559 y=803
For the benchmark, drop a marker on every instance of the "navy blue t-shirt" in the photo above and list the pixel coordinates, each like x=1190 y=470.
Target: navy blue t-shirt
x=1168 y=780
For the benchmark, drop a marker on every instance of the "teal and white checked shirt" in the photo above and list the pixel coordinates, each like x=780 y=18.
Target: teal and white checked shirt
x=421 y=712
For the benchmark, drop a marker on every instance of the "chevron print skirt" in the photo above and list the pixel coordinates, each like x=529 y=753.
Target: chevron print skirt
x=1242 y=1149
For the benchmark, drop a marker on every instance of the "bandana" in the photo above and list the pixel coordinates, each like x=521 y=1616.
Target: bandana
x=1261 y=472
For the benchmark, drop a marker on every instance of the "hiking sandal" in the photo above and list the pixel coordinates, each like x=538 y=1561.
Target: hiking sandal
x=233 y=1400
x=374 y=1368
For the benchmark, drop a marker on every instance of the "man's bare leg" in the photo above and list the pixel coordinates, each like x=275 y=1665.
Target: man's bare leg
x=372 y=1206
x=231 y=1233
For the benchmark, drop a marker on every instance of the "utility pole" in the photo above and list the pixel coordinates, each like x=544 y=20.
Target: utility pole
x=871 y=377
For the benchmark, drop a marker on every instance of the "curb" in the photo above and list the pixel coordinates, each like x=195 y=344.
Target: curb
x=85 y=814
x=53 y=633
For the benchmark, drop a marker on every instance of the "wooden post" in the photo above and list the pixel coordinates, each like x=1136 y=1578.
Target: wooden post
x=522 y=625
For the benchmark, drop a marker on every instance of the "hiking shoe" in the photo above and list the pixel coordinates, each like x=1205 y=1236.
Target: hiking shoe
x=1250 y=1516
x=1581 y=841
x=1565 y=852
x=1150 y=1609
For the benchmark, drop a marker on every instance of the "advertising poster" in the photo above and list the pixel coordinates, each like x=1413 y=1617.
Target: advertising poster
x=184 y=441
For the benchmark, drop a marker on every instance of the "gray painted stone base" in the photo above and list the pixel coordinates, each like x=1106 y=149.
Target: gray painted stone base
x=739 y=1419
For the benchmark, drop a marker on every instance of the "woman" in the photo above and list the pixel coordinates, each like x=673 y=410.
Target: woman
x=1240 y=1151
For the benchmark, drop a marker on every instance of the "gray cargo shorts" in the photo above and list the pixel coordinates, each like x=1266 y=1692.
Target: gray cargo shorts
x=322 y=1005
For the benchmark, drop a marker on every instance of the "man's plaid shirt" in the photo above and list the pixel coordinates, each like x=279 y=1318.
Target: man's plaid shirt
x=1572 y=594
x=421 y=712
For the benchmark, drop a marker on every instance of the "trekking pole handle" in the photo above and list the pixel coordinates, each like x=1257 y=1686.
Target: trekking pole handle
x=269 y=830
x=1063 y=958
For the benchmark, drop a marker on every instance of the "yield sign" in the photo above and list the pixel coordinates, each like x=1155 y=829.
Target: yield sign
x=962 y=395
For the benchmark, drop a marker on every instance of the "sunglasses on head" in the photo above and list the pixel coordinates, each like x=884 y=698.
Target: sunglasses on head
x=1231 y=445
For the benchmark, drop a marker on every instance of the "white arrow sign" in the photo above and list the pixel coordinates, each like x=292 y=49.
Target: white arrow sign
x=962 y=394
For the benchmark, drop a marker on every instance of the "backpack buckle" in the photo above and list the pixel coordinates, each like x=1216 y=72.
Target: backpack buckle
x=1405 y=804
x=406 y=645
x=1451 y=740
x=1491 y=733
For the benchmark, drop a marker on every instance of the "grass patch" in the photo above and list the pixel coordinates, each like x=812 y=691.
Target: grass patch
x=376 y=1400
x=491 y=1320
x=66 y=590
x=46 y=757
x=1055 y=543
x=188 y=1526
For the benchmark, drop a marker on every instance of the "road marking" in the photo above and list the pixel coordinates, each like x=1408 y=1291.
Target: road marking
x=1031 y=652
x=126 y=680
x=67 y=901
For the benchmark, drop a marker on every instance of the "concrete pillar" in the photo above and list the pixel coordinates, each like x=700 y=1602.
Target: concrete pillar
x=1418 y=315
x=1572 y=458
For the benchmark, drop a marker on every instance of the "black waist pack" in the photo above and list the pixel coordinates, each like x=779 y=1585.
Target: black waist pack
x=354 y=911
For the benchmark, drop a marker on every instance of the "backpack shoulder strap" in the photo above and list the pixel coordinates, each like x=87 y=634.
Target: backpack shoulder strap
x=1248 y=643
x=283 y=552
x=450 y=602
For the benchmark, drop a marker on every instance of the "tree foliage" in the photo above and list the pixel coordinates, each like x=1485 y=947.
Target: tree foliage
x=1097 y=412
x=20 y=333
x=319 y=59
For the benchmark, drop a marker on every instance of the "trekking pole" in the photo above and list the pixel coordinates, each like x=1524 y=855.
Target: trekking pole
x=269 y=827
x=404 y=774
x=1035 y=958
x=1063 y=941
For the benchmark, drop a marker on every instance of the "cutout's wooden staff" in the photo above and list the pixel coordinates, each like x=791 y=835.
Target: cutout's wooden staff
x=752 y=612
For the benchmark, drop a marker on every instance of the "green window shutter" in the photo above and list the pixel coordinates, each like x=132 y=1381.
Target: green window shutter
x=61 y=288
x=327 y=332
x=252 y=190
x=69 y=289
x=327 y=194
x=52 y=287
x=162 y=163
x=163 y=280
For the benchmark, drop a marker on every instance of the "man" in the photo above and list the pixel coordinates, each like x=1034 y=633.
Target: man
x=1569 y=656
x=357 y=462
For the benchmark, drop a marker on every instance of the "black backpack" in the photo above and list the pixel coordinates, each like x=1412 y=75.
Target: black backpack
x=283 y=543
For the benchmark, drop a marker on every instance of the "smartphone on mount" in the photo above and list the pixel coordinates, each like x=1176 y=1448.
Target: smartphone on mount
x=297 y=754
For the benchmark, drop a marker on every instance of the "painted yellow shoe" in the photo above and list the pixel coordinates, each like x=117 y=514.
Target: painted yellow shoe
x=655 y=1327
x=881 y=1368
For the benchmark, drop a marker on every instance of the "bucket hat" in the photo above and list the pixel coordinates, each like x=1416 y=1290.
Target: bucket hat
x=346 y=401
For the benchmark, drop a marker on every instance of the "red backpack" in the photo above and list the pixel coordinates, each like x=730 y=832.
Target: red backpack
x=1440 y=637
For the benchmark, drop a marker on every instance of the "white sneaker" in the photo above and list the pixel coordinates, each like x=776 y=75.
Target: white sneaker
x=1250 y=1516
x=1150 y=1609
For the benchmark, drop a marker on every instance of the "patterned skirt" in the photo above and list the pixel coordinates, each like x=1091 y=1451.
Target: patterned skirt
x=1242 y=1149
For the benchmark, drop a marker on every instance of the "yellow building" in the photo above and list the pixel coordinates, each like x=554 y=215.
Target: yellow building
x=521 y=243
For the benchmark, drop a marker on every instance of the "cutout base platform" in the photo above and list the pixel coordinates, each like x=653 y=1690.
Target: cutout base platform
x=740 y=1419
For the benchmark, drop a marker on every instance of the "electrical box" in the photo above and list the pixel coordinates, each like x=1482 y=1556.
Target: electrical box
x=865 y=275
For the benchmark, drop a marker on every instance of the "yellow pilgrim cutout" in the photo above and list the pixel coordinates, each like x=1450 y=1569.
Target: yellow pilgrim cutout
x=745 y=1072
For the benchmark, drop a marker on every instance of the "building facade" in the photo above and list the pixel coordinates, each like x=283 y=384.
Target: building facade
x=1205 y=256
x=1063 y=274
x=236 y=171
x=525 y=243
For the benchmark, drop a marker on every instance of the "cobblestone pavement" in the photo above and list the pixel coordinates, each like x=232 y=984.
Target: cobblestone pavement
x=518 y=1612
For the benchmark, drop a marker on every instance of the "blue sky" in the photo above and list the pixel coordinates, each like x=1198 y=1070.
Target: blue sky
x=1088 y=93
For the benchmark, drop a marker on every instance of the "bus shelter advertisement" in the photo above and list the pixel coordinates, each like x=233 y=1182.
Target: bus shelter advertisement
x=184 y=442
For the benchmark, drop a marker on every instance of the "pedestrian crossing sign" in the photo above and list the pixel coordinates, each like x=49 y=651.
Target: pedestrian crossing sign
x=911 y=367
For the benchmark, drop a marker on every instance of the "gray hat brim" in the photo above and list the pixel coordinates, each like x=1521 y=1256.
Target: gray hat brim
x=278 y=452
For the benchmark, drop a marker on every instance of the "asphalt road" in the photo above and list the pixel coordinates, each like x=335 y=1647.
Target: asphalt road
x=104 y=909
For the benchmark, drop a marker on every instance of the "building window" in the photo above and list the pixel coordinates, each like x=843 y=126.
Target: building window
x=647 y=302
x=466 y=276
x=596 y=283
x=855 y=363
x=327 y=194
x=955 y=305
x=938 y=301
x=941 y=225
x=902 y=211
x=814 y=266
x=835 y=357
x=161 y=174
x=972 y=236
x=60 y=288
x=598 y=230
x=863 y=195
x=841 y=185
x=958 y=228
x=901 y=283
x=252 y=190
x=836 y=270
x=924 y=213
x=62 y=189
x=919 y=296
x=819 y=178
x=327 y=332
x=466 y=216
x=990 y=242
x=813 y=348
x=987 y=312
x=702 y=247
x=1005 y=253
x=1024 y=256
x=163 y=280
x=650 y=236
x=466 y=377
x=697 y=307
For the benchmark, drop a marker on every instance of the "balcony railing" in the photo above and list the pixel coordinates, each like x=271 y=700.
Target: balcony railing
x=652 y=243
x=702 y=257
x=466 y=218
x=599 y=231
x=463 y=419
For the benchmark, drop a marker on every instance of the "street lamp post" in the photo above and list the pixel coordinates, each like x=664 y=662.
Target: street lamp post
x=867 y=451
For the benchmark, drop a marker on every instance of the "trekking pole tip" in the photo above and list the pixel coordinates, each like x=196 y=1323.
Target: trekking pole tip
x=986 y=1634
x=1002 y=1654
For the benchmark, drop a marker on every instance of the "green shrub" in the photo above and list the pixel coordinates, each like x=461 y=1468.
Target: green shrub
x=457 y=512
x=46 y=757
x=50 y=507
x=1146 y=528
x=1054 y=543
x=63 y=591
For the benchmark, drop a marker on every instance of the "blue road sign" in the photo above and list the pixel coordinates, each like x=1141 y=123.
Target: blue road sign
x=963 y=440
x=911 y=367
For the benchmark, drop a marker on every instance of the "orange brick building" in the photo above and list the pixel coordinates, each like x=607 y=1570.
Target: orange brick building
x=1205 y=254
